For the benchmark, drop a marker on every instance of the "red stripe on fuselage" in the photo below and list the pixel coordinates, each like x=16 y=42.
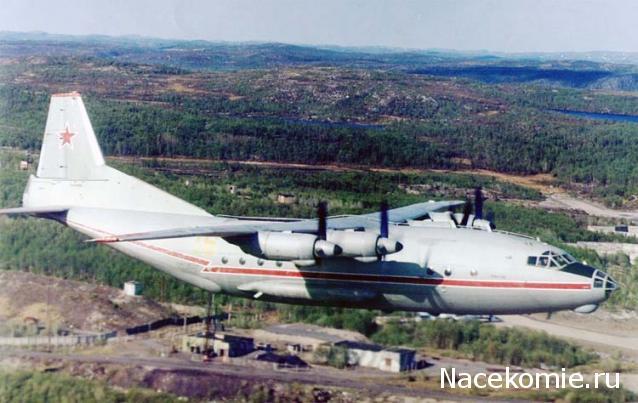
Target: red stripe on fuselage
x=179 y=255
x=325 y=275
x=330 y=276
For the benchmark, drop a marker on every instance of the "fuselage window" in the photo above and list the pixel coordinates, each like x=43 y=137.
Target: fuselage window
x=569 y=258
x=550 y=259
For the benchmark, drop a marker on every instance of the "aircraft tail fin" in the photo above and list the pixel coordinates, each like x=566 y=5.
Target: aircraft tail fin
x=72 y=171
x=70 y=149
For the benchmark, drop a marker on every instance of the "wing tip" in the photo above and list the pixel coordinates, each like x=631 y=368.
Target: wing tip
x=106 y=239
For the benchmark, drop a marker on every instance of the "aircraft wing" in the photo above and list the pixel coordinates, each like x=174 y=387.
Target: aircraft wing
x=240 y=227
x=34 y=211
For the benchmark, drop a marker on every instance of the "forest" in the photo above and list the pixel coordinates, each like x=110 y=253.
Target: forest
x=337 y=114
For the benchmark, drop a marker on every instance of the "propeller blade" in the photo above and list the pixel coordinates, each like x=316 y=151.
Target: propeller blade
x=322 y=213
x=467 y=210
x=452 y=212
x=478 y=203
x=490 y=218
x=385 y=230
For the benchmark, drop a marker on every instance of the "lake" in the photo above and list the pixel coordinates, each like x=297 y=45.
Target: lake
x=598 y=116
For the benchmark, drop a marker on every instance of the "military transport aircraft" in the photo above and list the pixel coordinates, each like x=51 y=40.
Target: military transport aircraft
x=415 y=258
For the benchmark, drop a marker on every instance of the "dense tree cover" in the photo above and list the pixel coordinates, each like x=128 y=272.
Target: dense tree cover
x=128 y=129
x=350 y=192
x=312 y=116
x=521 y=140
x=50 y=387
x=499 y=73
x=563 y=98
x=549 y=226
x=508 y=346
x=361 y=321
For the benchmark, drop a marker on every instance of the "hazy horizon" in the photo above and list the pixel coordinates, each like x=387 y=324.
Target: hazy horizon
x=495 y=26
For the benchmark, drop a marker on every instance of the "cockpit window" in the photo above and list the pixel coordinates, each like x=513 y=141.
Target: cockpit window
x=550 y=259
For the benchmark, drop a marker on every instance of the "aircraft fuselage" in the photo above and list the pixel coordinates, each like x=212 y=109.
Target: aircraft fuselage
x=439 y=270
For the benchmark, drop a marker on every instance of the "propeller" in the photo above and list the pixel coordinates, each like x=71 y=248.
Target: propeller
x=467 y=210
x=384 y=244
x=323 y=247
x=477 y=208
x=322 y=213
x=478 y=203
x=385 y=229
x=490 y=217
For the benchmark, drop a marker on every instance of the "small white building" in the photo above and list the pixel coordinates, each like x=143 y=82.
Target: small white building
x=626 y=230
x=133 y=288
x=286 y=198
x=375 y=356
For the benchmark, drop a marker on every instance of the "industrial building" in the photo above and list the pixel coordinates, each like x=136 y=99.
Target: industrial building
x=223 y=345
x=375 y=356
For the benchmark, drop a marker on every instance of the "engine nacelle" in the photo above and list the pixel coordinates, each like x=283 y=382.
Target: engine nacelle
x=288 y=246
x=363 y=244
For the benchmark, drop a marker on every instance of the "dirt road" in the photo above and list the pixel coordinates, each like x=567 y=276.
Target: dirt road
x=628 y=344
x=604 y=342
x=565 y=201
x=540 y=182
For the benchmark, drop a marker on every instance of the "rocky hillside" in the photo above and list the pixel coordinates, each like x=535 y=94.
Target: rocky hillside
x=72 y=305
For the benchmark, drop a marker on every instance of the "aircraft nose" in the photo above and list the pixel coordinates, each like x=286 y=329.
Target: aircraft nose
x=606 y=282
x=603 y=286
x=601 y=280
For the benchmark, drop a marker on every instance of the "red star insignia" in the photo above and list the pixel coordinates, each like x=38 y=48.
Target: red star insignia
x=66 y=135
